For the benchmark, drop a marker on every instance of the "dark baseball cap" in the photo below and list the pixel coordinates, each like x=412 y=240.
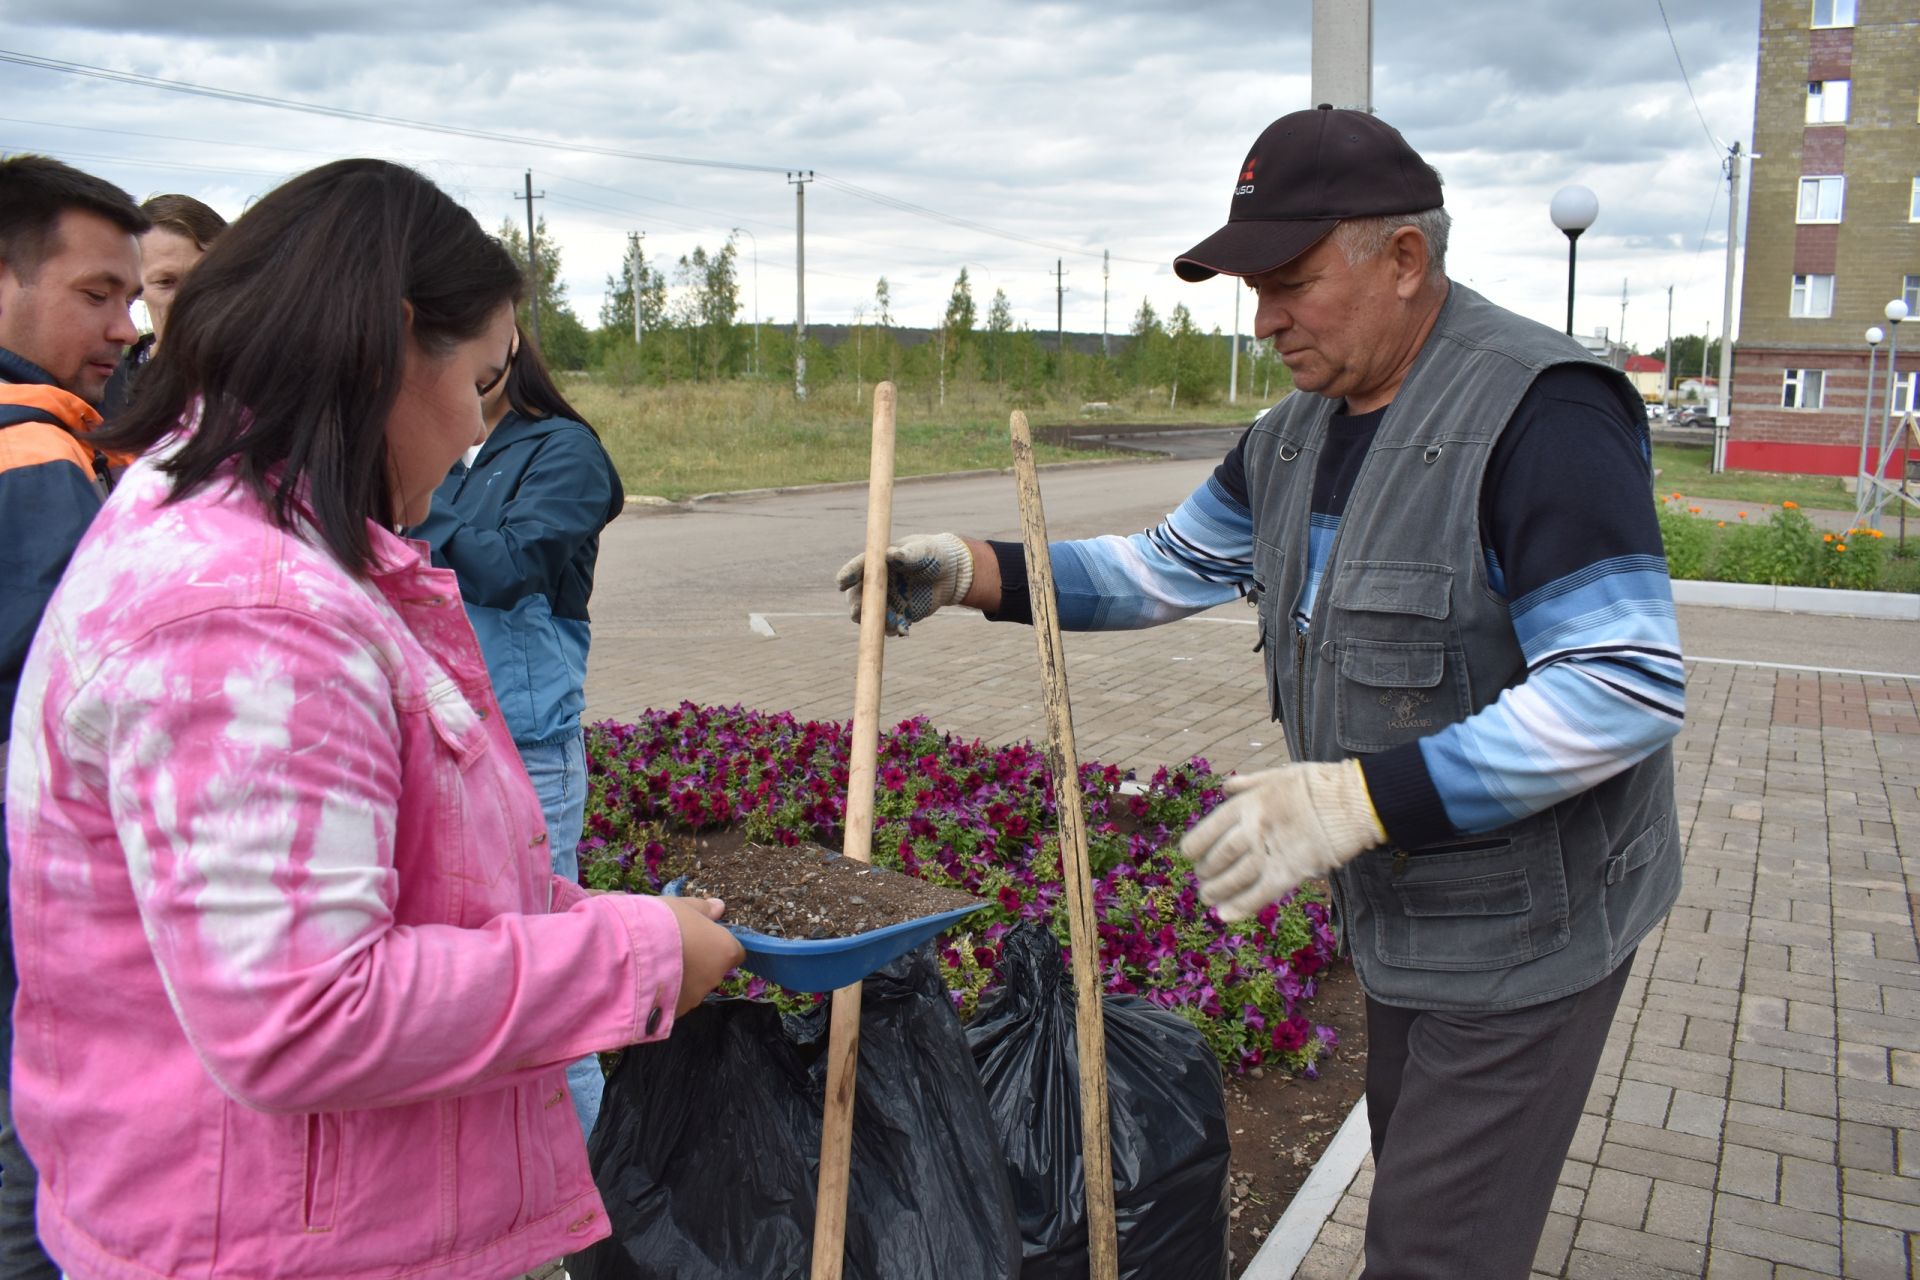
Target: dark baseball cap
x=1305 y=173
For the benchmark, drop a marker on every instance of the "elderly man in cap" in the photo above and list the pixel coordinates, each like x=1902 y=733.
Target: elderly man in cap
x=1448 y=532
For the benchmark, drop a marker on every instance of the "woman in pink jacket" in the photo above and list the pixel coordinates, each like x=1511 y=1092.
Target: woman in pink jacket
x=297 y=987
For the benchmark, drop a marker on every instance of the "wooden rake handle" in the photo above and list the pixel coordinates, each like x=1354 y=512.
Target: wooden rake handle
x=843 y=1038
x=1096 y=1138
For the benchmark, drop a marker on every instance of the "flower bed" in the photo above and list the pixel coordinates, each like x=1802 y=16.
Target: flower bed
x=1781 y=549
x=959 y=813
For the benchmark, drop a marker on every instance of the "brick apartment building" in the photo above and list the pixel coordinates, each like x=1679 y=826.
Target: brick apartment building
x=1833 y=230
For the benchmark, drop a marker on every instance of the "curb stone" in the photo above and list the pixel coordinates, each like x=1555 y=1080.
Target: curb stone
x=1281 y=1253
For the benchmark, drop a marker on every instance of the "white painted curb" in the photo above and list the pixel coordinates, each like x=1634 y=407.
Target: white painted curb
x=1287 y=1244
x=1895 y=605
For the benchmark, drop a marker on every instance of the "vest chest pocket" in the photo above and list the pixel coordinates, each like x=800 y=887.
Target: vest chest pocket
x=1398 y=675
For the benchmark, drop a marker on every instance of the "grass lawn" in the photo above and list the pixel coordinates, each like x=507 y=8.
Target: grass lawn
x=1687 y=468
x=683 y=439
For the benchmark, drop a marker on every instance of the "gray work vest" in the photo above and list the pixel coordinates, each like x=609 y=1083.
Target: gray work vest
x=1408 y=637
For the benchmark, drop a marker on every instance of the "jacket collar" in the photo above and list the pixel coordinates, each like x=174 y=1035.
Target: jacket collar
x=17 y=368
x=28 y=384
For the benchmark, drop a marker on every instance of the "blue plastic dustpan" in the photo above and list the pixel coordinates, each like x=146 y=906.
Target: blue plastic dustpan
x=827 y=964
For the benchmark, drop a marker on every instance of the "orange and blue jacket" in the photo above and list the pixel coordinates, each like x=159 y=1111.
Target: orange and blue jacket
x=51 y=484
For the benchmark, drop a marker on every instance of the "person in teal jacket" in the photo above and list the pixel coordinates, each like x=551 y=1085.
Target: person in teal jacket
x=519 y=521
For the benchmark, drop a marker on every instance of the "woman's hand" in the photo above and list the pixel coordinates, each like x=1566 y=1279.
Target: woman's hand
x=707 y=951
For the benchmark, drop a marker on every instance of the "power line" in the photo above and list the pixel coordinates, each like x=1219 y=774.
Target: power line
x=246 y=98
x=364 y=117
x=1686 y=79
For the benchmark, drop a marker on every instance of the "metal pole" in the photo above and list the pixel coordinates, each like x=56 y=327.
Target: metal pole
x=800 y=178
x=1886 y=423
x=1572 y=239
x=1861 y=487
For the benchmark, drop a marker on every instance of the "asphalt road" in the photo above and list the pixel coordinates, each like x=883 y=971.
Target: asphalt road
x=686 y=570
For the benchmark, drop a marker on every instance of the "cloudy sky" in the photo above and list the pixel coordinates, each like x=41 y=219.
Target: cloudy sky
x=1021 y=133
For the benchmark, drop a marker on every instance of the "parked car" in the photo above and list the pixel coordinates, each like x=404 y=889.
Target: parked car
x=1692 y=415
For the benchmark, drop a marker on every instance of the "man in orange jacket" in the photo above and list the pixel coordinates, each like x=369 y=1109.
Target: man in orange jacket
x=69 y=269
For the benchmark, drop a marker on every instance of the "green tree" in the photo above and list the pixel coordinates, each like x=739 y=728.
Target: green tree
x=1145 y=363
x=1188 y=358
x=636 y=278
x=704 y=310
x=563 y=339
x=999 y=329
x=1686 y=361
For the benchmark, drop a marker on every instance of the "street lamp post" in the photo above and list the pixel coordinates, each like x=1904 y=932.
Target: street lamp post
x=1875 y=336
x=1896 y=311
x=1573 y=210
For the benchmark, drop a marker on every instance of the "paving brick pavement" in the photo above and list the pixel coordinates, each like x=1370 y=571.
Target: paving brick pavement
x=1757 y=1111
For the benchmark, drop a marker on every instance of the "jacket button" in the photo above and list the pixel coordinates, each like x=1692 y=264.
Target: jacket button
x=540 y=839
x=653 y=1021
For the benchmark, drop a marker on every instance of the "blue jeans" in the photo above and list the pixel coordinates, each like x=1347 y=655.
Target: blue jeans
x=559 y=773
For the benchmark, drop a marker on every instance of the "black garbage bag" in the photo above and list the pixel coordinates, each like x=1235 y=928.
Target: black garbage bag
x=1168 y=1111
x=707 y=1149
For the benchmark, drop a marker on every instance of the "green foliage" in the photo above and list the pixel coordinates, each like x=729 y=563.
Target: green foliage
x=1784 y=550
x=563 y=339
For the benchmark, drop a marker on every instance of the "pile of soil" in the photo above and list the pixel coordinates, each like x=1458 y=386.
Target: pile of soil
x=808 y=892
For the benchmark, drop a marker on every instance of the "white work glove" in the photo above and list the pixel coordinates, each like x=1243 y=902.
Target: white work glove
x=926 y=571
x=1277 y=829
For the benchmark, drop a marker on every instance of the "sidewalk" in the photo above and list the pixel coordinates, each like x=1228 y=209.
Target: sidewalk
x=1758 y=1107
x=1757 y=1112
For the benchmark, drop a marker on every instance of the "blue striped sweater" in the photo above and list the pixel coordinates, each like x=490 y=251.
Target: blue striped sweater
x=1571 y=540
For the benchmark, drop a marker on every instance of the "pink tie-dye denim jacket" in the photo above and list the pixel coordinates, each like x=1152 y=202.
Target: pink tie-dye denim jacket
x=292 y=1002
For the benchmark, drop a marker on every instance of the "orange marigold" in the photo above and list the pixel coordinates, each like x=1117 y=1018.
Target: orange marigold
x=1694 y=510
x=1790 y=505
x=1719 y=524
x=1827 y=538
x=1839 y=546
x=1743 y=515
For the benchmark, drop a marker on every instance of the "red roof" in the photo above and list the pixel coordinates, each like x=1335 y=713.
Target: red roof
x=1644 y=364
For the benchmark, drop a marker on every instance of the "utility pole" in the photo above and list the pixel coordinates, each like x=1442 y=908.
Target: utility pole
x=533 y=260
x=1106 y=263
x=1623 y=314
x=1059 y=307
x=1233 y=363
x=800 y=178
x=635 y=265
x=1342 y=57
x=1666 y=365
x=1725 y=409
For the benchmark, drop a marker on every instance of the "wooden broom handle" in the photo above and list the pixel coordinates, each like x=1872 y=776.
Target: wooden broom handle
x=1096 y=1138
x=843 y=1038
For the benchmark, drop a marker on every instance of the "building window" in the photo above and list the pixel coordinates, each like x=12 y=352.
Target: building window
x=1913 y=202
x=1812 y=298
x=1832 y=13
x=1903 y=389
x=1821 y=198
x=1803 y=388
x=1910 y=294
x=1827 y=101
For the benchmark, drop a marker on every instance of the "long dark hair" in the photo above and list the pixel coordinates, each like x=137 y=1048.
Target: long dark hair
x=289 y=339
x=531 y=390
